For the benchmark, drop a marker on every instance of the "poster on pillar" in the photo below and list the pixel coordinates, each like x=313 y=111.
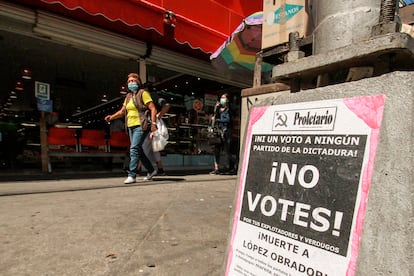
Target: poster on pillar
x=303 y=187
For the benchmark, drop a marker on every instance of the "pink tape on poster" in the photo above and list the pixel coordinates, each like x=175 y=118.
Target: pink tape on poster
x=370 y=110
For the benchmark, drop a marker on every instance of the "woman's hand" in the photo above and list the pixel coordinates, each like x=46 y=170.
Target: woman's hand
x=153 y=127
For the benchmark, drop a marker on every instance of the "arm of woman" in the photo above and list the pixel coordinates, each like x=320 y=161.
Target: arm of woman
x=120 y=113
x=224 y=116
x=164 y=109
x=151 y=106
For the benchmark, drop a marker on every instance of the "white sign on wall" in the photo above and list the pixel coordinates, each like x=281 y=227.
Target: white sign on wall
x=303 y=187
x=42 y=90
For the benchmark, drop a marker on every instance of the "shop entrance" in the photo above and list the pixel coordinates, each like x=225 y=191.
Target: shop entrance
x=85 y=86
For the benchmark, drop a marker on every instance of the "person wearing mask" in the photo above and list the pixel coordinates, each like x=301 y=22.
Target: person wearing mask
x=222 y=119
x=133 y=109
x=154 y=156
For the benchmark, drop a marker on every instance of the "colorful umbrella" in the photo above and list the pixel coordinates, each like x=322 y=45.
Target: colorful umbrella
x=237 y=55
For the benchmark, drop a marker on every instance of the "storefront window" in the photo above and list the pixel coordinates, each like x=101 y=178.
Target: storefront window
x=78 y=81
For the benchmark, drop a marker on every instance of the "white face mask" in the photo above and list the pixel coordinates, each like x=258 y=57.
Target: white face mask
x=223 y=101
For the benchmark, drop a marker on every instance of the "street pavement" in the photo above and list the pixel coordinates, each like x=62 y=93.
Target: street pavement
x=174 y=225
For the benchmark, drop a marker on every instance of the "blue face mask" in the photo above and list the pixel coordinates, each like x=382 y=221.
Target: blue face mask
x=133 y=86
x=223 y=101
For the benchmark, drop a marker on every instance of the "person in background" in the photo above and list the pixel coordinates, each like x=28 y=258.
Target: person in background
x=162 y=107
x=52 y=118
x=136 y=133
x=222 y=119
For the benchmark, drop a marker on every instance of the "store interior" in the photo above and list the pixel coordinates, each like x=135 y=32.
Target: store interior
x=84 y=87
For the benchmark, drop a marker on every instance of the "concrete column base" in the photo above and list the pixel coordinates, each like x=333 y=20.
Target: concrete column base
x=387 y=245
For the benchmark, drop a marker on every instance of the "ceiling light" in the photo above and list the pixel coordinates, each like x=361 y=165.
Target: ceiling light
x=74 y=126
x=26 y=73
x=123 y=90
x=19 y=86
x=29 y=124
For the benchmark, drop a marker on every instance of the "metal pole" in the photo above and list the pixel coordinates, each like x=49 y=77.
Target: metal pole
x=342 y=23
x=143 y=70
x=43 y=143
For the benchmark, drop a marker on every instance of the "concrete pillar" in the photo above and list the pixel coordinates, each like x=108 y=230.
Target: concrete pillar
x=143 y=70
x=386 y=246
x=341 y=23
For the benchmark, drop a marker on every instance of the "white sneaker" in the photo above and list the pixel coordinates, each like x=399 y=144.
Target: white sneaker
x=129 y=180
x=150 y=175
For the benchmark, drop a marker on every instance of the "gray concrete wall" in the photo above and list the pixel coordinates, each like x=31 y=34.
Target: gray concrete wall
x=387 y=244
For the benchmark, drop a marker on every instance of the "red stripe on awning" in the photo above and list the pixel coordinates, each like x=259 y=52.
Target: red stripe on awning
x=131 y=13
x=202 y=24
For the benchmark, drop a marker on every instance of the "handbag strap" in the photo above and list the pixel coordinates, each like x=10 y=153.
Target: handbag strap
x=137 y=99
x=138 y=103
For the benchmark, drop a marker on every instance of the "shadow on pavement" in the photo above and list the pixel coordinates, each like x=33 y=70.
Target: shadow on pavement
x=163 y=181
x=37 y=175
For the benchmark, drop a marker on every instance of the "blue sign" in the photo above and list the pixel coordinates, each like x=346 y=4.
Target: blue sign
x=290 y=11
x=44 y=105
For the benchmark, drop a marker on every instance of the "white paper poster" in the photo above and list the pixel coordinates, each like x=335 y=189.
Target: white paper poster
x=303 y=187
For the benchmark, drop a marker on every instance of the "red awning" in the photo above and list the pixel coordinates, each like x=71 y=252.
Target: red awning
x=200 y=25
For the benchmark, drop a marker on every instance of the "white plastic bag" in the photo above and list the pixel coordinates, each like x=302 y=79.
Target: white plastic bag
x=162 y=128
x=158 y=141
x=160 y=136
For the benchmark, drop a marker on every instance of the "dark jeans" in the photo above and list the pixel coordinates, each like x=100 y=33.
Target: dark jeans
x=226 y=147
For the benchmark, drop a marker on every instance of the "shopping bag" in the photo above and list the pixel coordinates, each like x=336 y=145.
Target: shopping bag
x=160 y=136
x=214 y=135
x=158 y=141
x=162 y=128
